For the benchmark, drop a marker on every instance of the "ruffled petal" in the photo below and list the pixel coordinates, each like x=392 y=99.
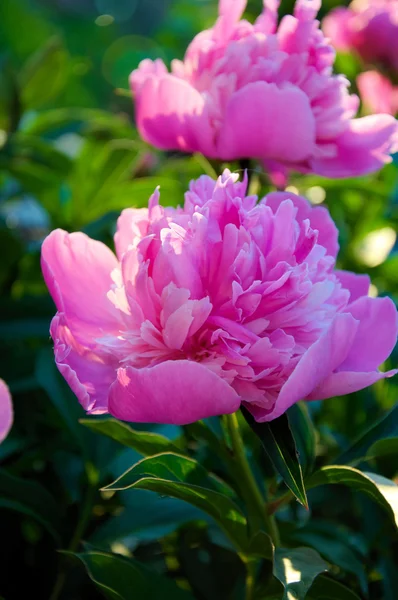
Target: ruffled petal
x=132 y=225
x=318 y=362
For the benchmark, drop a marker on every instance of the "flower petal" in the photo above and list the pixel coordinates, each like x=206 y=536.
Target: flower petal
x=77 y=271
x=171 y=114
x=132 y=223
x=87 y=373
x=363 y=148
x=6 y=410
x=176 y=392
x=357 y=285
x=319 y=218
x=259 y=122
x=376 y=335
x=320 y=360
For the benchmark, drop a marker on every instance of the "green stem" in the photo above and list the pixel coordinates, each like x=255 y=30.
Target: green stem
x=248 y=482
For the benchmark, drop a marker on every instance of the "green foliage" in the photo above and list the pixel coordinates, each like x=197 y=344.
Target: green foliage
x=280 y=447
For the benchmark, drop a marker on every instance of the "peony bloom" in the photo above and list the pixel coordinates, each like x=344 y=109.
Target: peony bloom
x=370 y=27
x=377 y=92
x=220 y=302
x=263 y=91
x=6 y=412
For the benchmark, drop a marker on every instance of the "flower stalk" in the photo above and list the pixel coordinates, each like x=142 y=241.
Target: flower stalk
x=248 y=483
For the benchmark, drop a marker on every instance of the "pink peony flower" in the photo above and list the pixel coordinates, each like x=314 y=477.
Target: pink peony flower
x=377 y=92
x=6 y=412
x=370 y=27
x=220 y=302
x=262 y=91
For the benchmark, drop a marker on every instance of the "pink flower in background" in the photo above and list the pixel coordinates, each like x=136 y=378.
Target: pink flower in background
x=264 y=91
x=6 y=412
x=370 y=27
x=377 y=92
x=223 y=301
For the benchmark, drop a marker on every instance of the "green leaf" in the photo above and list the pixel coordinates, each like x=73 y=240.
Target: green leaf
x=378 y=488
x=29 y=498
x=146 y=517
x=99 y=169
x=119 y=578
x=304 y=435
x=184 y=478
x=279 y=444
x=296 y=569
x=333 y=544
x=45 y=75
x=201 y=431
x=381 y=448
x=386 y=427
x=57 y=118
x=144 y=442
x=325 y=588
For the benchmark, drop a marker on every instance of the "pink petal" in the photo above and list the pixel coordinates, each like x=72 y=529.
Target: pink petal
x=177 y=392
x=364 y=147
x=259 y=122
x=346 y=382
x=77 y=271
x=230 y=12
x=132 y=224
x=357 y=285
x=318 y=216
x=171 y=114
x=377 y=93
x=336 y=26
x=6 y=410
x=89 y=374
x=376 y=335
x=320 y=360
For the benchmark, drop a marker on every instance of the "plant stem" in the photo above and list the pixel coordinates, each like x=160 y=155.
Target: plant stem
x=248 y=481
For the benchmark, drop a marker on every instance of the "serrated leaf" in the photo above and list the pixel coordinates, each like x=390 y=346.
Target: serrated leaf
x=296 y=569
x=144 y=442
x=378 y=488
x=184 y=478
x=386 y=427
x=279 y=444
x=120 y=578
x=29 y=498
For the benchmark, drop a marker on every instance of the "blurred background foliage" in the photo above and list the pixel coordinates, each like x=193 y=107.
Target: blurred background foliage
x=70 y=157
